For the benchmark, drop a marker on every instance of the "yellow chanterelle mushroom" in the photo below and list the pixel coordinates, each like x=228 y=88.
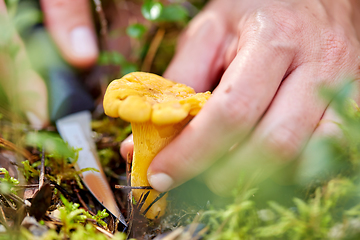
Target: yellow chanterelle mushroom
x=158 y=109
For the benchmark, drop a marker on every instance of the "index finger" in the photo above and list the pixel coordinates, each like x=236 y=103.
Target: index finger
x=244 y=93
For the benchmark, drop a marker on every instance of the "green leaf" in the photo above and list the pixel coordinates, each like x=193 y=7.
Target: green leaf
x=111 y=58
x=136 y=30
x=151 y=10
x=128 y=68
x=174 y=13
x=51 y=142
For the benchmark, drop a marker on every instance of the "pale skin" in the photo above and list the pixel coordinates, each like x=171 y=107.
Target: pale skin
x=266 y=60
x=70 y=25
x=271 y=57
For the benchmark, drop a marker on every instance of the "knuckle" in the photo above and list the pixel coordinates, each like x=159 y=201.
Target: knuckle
x=236 y=111
x=282 y=142
x=335 y=48
x=275 y=21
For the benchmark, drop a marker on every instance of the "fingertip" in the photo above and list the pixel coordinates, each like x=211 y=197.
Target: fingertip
x=160 y=181
x=83 y=50
x=33 y=100
x=37 y=122
x=127 y=146
x=70 y=25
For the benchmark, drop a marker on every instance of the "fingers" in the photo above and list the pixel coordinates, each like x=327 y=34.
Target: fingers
x=199 y=58
x=33 y=100
x=69 y=23
x=293 y=115
x=243 y=95
x=282 y=133
x=315 y=162
x=25 y=90
x=127 y=146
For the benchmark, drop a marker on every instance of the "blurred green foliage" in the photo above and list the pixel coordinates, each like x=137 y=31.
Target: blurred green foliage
x=324 y=190
x=7 y=182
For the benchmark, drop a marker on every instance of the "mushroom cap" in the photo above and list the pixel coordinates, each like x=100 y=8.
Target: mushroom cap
x=141 y=97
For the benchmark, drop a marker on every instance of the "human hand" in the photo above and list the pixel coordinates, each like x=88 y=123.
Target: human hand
x=276 y=55
x=70 y=24
x=23 y=87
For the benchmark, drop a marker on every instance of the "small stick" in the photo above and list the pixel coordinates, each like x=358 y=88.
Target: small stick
x=103 y=22
x=16 y=198
x=3 y=219
x=132 y=187
x=119 y=201
x=7 y=144
x=107 y=233
x=154 y=46
x=8 y=202
x=83 y=203
x=42 y=169
x=142 y=200
x=156 y=199
x=27 y=186
x=128 y=169
x=130 y=215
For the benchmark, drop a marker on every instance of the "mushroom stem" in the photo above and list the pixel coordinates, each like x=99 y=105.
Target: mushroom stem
x=149 y=140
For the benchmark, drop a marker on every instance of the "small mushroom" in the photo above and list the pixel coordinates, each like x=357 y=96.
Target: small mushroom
x=158 y=109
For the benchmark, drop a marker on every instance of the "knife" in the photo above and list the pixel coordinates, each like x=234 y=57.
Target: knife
x=69 y=108
x=76 y=130
x=69 y=105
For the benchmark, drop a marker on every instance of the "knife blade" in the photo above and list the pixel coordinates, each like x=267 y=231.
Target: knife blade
x=67 y=96
x=76 y=130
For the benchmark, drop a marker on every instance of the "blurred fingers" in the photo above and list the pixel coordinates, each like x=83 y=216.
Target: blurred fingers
x=24 y=88
x=69 y=23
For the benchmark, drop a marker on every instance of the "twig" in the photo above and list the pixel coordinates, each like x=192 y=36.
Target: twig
x=128 y=169
x=3 y=219
x=7 y=144
x=132 y=187
x=42 y=169
x=130 y=208
x=62 y=190
x=26 y=186
x=156 y=199
x=107 y=233
x=142 y=199
x=8 y=202
x=130 y=214
x=83 y=203
x=154 y=45
x=16 y=198
x=103 y=23
x=119 y=201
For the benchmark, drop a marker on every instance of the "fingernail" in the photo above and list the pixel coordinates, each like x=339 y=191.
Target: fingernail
x=34 y=120
x=127 y=140
x=160 y=181
x=83 y=42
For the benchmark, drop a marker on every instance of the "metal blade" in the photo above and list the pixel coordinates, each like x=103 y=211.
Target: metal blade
x=75 y=129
